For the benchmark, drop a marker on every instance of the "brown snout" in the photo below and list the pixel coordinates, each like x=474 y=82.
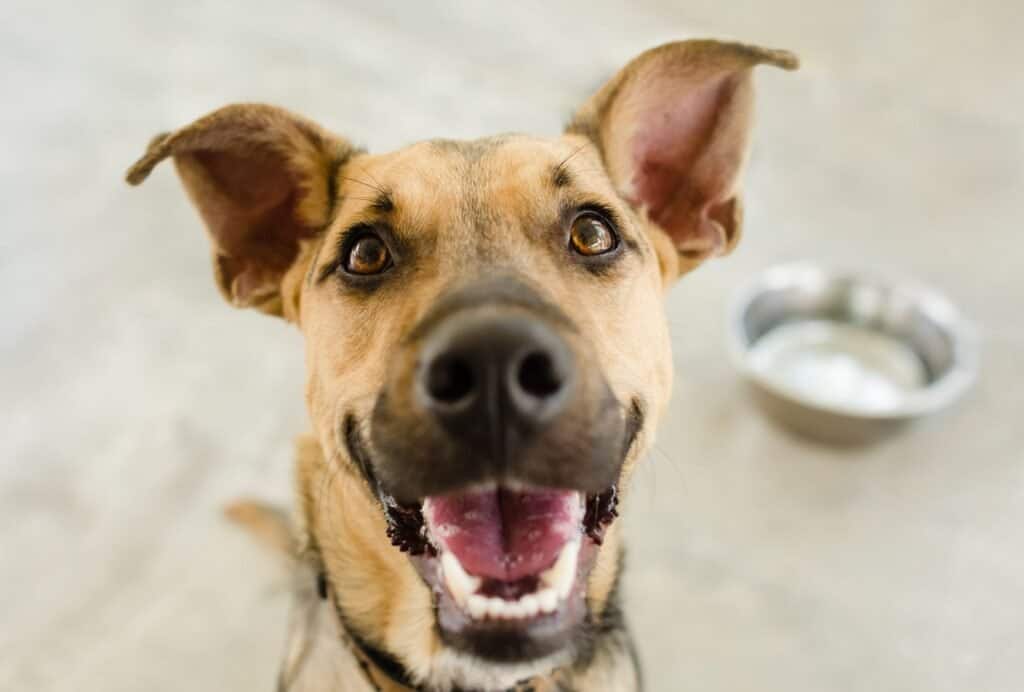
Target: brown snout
x=495 y=385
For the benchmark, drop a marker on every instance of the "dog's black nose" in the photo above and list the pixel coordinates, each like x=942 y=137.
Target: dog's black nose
x=485 y=376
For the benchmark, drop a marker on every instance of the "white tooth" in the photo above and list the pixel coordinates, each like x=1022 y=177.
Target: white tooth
x=516 y=610
x=562 y=573
x=477 y=606
x=548 y=600
x=579 y=508
x=529 y=605
x=460 y=584
x=495 y=608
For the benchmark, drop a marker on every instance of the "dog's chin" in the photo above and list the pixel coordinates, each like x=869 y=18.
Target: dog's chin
x=508 y=566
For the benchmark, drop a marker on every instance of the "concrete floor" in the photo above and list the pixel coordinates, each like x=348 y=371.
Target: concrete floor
x=136 y=404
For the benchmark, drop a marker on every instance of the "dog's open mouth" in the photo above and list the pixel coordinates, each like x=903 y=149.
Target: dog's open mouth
x=502 y=560
x=506 y=546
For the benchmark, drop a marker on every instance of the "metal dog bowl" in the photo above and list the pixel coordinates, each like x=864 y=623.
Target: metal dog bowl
x=845 y=357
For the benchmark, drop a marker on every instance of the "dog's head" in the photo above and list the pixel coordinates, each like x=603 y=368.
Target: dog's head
x=486 y=344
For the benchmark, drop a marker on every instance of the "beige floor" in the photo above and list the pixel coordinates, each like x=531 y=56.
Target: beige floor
x=135 y=404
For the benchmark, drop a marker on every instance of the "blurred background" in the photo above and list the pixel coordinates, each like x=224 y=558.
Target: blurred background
x=136 y=403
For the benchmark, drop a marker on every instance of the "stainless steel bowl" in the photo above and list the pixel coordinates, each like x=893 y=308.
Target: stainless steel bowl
x=846 y=357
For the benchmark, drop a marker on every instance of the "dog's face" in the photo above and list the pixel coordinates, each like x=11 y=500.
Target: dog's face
x=505 y=290
x=485 y=342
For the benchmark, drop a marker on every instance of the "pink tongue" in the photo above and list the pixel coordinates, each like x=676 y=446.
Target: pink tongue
x=504 y=534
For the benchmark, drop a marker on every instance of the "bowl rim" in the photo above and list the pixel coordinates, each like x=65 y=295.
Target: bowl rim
x=938 y=394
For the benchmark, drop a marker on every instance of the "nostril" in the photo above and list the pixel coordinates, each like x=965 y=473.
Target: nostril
x=538 y=375
x=449 y=380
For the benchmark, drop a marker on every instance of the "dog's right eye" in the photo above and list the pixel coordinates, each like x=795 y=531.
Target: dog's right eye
x=366 y=255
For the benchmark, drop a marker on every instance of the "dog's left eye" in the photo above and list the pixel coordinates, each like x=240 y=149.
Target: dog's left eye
x=368 y=254
x=591 y=235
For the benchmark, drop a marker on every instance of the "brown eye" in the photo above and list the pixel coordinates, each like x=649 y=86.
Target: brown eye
x=591 y=235
x=367 y=255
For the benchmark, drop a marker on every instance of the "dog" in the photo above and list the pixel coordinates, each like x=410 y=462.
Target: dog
x=487 y=359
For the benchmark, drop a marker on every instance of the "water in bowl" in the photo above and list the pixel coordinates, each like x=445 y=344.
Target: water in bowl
x=839 y=365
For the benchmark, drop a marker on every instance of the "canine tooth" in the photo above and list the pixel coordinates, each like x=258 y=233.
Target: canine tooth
x=547 y=600
x=561 y=574
x=460 y=584
x=477 y=606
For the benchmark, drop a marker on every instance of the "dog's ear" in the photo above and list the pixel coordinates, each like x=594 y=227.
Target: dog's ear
x=672 y=129
x=263 y=181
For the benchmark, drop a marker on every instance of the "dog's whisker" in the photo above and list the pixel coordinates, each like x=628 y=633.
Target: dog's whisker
x=376 y=188
x=380 y=188
x=561 y=169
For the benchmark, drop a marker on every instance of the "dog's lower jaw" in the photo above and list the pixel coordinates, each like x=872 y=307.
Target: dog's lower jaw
x=603 y=659
x=455 y=670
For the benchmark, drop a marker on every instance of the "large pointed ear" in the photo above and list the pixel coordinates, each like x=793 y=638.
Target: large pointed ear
x=672 y=129
x=263 y=181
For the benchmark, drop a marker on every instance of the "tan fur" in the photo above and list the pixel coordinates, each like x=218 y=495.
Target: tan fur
x=268 y=524
x=476 y=209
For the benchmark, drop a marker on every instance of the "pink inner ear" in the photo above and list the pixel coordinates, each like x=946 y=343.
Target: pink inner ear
x=681 y=175
x=251 y=214
x=250 y=187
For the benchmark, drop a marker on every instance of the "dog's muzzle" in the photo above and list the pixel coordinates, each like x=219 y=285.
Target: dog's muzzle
x=496 y=446
x=496 y=385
